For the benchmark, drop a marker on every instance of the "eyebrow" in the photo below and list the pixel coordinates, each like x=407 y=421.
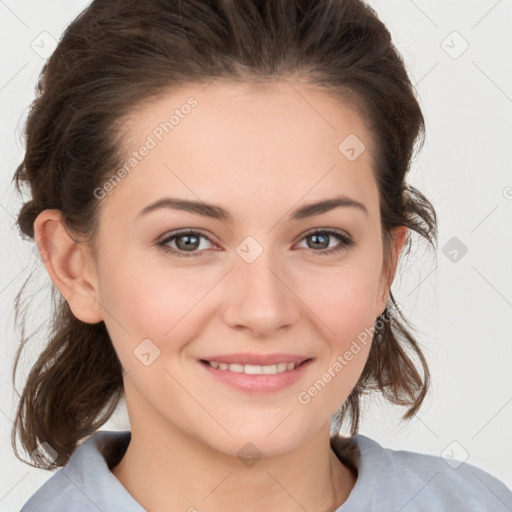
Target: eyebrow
x=218 y=212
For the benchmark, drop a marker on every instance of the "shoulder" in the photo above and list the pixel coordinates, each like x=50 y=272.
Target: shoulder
x=408 y=481
x=86 y=483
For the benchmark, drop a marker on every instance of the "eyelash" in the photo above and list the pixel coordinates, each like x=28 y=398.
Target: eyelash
x=346 y=242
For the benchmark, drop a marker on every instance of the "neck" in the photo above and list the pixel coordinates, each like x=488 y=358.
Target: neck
x=166 y=468
x=177 y=471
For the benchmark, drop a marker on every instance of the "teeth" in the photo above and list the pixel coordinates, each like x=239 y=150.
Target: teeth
x=254 y=369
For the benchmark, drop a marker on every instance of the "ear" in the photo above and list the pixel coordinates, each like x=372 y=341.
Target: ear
x=388 y=273
x=69 y=265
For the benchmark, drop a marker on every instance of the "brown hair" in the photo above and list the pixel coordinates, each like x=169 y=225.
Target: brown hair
x=116 y=54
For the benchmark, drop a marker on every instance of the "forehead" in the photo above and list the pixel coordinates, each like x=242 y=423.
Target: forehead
x=268 y=143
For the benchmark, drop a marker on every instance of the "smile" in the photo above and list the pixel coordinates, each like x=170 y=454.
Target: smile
x=267 y=377
x=254 y=369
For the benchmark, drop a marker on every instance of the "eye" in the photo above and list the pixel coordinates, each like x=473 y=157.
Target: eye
x=321 y=237
x=189 y=241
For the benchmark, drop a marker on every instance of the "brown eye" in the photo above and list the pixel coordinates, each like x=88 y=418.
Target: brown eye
x=186 y=242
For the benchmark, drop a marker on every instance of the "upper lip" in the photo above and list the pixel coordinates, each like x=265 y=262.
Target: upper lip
x=257 y=359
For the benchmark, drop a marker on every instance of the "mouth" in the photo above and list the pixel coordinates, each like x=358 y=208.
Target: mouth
x=254 y=373
x=254 y=369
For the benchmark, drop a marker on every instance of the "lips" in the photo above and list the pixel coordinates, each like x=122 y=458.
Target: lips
x=257 y=359
x=256 y=373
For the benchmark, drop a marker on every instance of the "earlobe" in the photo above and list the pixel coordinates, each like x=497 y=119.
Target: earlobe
x=66 y=261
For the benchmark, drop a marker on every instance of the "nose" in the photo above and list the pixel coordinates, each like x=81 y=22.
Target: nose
x=259 y=296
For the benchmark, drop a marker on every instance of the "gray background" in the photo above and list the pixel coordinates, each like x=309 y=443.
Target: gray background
x=460 y=303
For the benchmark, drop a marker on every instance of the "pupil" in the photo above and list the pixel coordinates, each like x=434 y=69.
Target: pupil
x=187 y=244
x=316 y=237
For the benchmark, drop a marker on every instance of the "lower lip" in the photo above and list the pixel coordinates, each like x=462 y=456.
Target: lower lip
x=266 y=383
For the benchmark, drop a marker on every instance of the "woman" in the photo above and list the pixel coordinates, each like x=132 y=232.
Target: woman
x=219 y=196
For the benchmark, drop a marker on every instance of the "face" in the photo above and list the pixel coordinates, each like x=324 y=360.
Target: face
x=203 y=309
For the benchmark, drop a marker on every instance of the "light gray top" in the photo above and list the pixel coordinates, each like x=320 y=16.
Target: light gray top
x=387 y=481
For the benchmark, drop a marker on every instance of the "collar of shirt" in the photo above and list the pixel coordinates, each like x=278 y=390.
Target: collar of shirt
x=386 y=480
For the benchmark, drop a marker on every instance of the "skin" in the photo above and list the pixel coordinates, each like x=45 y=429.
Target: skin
x=259 y=152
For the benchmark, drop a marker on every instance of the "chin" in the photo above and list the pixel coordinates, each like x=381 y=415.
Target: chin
x=263 y=437
x=250 y=448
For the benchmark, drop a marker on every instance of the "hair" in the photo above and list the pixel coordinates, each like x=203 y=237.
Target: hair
x=118 y=54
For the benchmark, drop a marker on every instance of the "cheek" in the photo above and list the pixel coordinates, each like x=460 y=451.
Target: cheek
x=343 y=306
x=345 y=326
x=343 y=301
x=152 y=302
